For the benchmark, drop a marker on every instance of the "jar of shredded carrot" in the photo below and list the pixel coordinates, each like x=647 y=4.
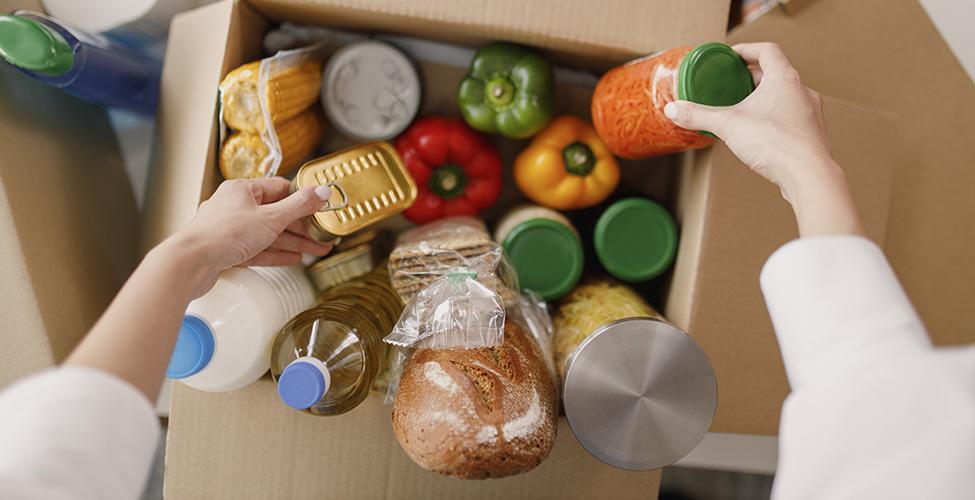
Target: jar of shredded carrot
x=628 y=103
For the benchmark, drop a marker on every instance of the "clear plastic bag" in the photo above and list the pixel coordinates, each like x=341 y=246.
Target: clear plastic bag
x=455 y=281
x=268 y=69
x=528 y=311
x=531 y=313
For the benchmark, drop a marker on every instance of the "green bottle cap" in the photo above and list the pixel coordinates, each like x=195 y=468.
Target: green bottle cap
x=29 y=44
x=713 y=74
x=636 y=239
x=547 y=256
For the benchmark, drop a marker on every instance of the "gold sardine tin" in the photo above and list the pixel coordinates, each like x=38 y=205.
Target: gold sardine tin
x=369 y=184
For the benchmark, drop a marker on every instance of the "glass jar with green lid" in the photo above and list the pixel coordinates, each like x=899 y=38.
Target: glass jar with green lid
x=628 y=102
x=544 y=248
x=636 y=239
x=326 y=359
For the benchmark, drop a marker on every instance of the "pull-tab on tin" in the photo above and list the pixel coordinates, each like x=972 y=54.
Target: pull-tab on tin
x=369 y=184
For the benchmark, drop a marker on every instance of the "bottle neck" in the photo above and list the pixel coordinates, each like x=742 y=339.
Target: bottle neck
x=291 y=286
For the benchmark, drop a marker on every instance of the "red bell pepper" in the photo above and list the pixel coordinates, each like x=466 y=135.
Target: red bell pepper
x=457 y=171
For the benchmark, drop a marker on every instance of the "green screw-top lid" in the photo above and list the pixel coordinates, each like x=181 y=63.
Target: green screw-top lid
x=29 y=44
x=714 y=74
x=636 y=239
x=547 y=256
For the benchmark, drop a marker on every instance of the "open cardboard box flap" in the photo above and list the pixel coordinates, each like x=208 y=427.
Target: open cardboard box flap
x=67 y=220
x=888 y=56
x=899 y=103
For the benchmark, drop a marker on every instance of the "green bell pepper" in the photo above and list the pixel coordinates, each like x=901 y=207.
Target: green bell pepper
x=508 y=89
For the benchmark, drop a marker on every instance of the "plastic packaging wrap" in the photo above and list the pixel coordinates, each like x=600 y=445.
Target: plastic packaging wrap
x=531 y=313
x=455 y=282
x=528 y=311
x=287 y=65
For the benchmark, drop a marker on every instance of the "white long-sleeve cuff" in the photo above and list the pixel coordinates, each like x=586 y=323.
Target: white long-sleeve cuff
x=832 y=296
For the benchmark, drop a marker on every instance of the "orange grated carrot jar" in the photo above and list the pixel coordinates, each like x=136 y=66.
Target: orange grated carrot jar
x=628 y=103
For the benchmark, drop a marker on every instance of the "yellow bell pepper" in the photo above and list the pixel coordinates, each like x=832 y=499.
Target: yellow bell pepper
x=567 y=166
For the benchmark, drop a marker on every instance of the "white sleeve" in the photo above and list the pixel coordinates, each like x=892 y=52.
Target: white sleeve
x=875 y=410
x=75 y=433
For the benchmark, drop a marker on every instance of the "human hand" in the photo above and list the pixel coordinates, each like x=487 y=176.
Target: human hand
x=779 y=131
x=253 y=222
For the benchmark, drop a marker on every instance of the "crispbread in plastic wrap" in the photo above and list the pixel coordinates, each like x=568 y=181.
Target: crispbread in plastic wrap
x=455 y=282
x=258 y=97
x=428 y=252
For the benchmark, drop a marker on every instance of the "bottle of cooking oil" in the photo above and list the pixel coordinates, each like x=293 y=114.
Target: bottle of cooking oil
x=326 y=359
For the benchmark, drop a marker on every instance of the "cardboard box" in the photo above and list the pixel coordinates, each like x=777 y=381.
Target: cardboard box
x=68 y=220
x=245 y=444
x=217 y=441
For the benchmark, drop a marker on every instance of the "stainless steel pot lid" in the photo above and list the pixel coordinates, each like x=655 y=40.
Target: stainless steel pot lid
x=639 y=394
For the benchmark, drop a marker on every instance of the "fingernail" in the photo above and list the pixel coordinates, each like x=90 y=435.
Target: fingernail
x=671 y=110
x=323 y=192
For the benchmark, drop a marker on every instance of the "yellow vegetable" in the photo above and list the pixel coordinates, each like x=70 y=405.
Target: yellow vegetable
x=289 y=92
x=567 y=166
x=244 y=155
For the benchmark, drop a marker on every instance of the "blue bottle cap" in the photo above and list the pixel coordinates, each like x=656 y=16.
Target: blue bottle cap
x=194 y=348
x=303 y=383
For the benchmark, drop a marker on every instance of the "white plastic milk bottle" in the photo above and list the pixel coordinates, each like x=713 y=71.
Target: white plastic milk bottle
x=225 y=340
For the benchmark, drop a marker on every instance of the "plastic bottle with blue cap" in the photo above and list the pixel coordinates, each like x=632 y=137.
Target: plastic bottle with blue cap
x=225 y=339
x=327 y=358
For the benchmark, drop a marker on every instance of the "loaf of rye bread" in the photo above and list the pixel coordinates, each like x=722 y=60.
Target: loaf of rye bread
x=477 y=413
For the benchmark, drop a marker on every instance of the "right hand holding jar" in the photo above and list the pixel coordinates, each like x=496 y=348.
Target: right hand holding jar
x=628 y=103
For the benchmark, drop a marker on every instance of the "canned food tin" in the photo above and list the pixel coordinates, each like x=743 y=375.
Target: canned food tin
x=353 y=257
x=369 y=184
x=638 y=392
x=370 y=91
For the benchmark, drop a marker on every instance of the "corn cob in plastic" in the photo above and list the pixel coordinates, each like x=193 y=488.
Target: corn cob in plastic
x=289 y=92
x=243 y=154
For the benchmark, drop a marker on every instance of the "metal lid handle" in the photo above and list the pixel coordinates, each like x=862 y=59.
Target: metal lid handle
x=345 y=198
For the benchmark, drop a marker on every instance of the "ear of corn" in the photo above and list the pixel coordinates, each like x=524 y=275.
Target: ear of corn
x=243 y=153
x=298 y=138
x=289 y=92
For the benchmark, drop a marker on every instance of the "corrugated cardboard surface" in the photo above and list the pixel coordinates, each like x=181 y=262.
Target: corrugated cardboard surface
x=67 y=220
x=246 y=444
x=888 y=56
x=743 y=219
x=567 y=29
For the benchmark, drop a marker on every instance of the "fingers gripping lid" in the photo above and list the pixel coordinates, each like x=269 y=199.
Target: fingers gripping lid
x=714 y=74
x=194 y=348
x=303 y=383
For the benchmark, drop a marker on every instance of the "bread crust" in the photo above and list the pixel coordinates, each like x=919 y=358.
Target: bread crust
x=477 y=413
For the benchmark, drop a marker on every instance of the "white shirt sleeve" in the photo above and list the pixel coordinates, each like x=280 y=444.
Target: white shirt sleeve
x=875 y=410
x=75 y=433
